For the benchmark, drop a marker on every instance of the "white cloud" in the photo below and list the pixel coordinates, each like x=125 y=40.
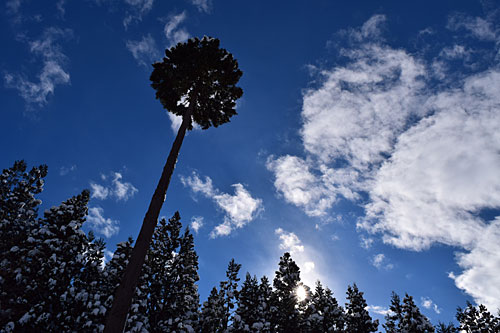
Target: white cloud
x=203 y=5
x=100 y=224
x=289 y=241
x=172 y=31
x=239 y=209
x=196 y=223
x=429 y=304
x=116 y=188
x=299 y=186
x=52 y=73
x=381 y=262
x=481 y=268
x=99 y=191
x=426 y=157
x=377 y=309
x=144 y=51
x=136 y=10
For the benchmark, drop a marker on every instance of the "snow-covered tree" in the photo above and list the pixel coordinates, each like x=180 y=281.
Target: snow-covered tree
x=185 y=273
x=477 y=319
x=446 y=328
x=212 y=312
x=163 y=249
x=285 y=314
x=324 y=313
x=18 y=213
x=247 y=313
x=229 y=290
x=357 y=318
x=56 y=258
x=406 y=317
x=264 y=306
x=86 y=304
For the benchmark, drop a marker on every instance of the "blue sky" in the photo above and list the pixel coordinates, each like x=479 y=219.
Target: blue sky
x=366 y=142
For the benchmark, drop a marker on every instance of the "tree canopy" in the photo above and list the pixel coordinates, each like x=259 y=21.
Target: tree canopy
x=198 y=77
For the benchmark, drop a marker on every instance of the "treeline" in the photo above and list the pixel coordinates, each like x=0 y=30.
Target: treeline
x=53 y=279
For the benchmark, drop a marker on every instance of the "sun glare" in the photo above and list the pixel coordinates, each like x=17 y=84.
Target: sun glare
x=301 y=293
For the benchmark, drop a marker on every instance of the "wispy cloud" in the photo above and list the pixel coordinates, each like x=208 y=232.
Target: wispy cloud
x=477 y=26
x=64 y=170
x=365 y=242
x=429 y=304
x=202 y=5
x=174 y=33
x=116 y=188
x=144 y=51
x=426 y=159
x=136 y=10
x=239 y=208
x=100 y=224
x=381 y=262
x=53 y=73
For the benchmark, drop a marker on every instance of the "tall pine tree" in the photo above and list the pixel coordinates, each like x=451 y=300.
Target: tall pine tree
x=406 y=317
x=324 y=314
x=285 y=314
x=358 y=319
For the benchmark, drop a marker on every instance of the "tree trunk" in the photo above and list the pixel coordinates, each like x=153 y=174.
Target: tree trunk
x=115 y=321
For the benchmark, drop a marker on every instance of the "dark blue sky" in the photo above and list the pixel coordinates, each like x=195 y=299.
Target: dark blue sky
x=366 y=141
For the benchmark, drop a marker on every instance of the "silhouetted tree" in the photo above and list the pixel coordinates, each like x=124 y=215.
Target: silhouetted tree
x=247 y=313
x=477 y=319
x=446 y=328
x=229 y=290
x=284 y=311
x=18 y=214
x=406 y=317
x=197 y=81
x=358 y=319
x=212 y=312
x=324 y=314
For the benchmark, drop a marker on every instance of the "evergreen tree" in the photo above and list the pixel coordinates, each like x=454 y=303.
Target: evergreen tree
x=248 y=312
x=86 y=306
x=56 y=259
x=18 y=213
x=395 y=315
x=229 y=290
x=477 y=319
x=406 y=317
x=413 y=320
x=284 y=311
x=264 y=306
x=197 y=81
x=163 y=249
x=324 y=314
x=445 y=328
x=186 y=298
x=212 y=312
x=358 y=319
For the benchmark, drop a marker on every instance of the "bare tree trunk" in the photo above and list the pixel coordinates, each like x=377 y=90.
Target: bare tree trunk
x=115 y=321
